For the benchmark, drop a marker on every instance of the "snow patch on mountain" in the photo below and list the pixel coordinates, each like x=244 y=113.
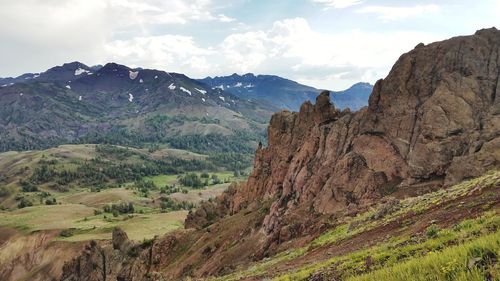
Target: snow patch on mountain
x=130 y=97
x=185 y=90
x=133 y=74
x=201 y=91
x=171 y=86
x=80 y=71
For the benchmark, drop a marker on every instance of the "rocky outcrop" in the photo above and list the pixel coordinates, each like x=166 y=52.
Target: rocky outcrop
x=120 y=240
x=433 y=121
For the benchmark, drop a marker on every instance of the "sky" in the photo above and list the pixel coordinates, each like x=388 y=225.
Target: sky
x=328 y=44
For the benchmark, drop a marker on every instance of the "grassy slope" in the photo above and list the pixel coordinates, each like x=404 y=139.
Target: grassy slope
x=435 y=234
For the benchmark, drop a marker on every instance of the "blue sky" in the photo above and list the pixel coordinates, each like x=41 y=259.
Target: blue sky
x=323 y=43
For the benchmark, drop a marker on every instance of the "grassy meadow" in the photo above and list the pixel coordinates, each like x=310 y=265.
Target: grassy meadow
x=86 y=190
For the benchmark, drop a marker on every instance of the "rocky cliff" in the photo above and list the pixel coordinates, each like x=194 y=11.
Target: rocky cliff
x=433 y=121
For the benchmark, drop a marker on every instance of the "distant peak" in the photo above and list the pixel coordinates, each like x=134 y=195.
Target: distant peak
x=112 y=66
x=74 y=65
x=361 y=85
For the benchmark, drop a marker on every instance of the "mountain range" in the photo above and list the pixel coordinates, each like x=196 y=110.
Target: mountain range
x=284 y=93
x=75 y=103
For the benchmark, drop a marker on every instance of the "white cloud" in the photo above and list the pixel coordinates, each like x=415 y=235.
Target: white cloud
x=389 y=13
x=292 y=48
x=224 y=18
x=41 y=34
x=146 y=12
x=245 y=51
x=338 y=3
x=169 y=52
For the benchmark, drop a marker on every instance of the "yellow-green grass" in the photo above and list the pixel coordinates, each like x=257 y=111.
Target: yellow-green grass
x=449 y=264
x=198 y=195
x=400 y=250
x=162 y=180
x=104 y=197
x=340 y=232
x=14 y=165
x=44 y=217
x=176 y=153
x=226 y=176
x=86 y=225
x=137 y=227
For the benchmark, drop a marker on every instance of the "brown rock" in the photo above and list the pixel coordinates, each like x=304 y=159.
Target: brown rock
x=120 y=239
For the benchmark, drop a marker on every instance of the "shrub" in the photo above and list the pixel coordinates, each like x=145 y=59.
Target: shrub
x=50 y=201
x=146 y=243
x=27 y=186
x=4 y=191
x=121 y=208
x=215 y=179
x=432 y=231
x=192 y=180
x=168 y=203
x=133 y=252
x=24 y=203
x=66 y=233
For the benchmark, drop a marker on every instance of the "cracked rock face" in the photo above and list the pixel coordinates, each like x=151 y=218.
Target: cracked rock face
x=433 y=121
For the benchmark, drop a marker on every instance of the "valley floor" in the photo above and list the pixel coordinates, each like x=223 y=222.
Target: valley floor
x=52 y=202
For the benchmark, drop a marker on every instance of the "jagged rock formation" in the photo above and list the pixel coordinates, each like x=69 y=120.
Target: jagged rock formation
x=433 y=121
x=106 y=261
